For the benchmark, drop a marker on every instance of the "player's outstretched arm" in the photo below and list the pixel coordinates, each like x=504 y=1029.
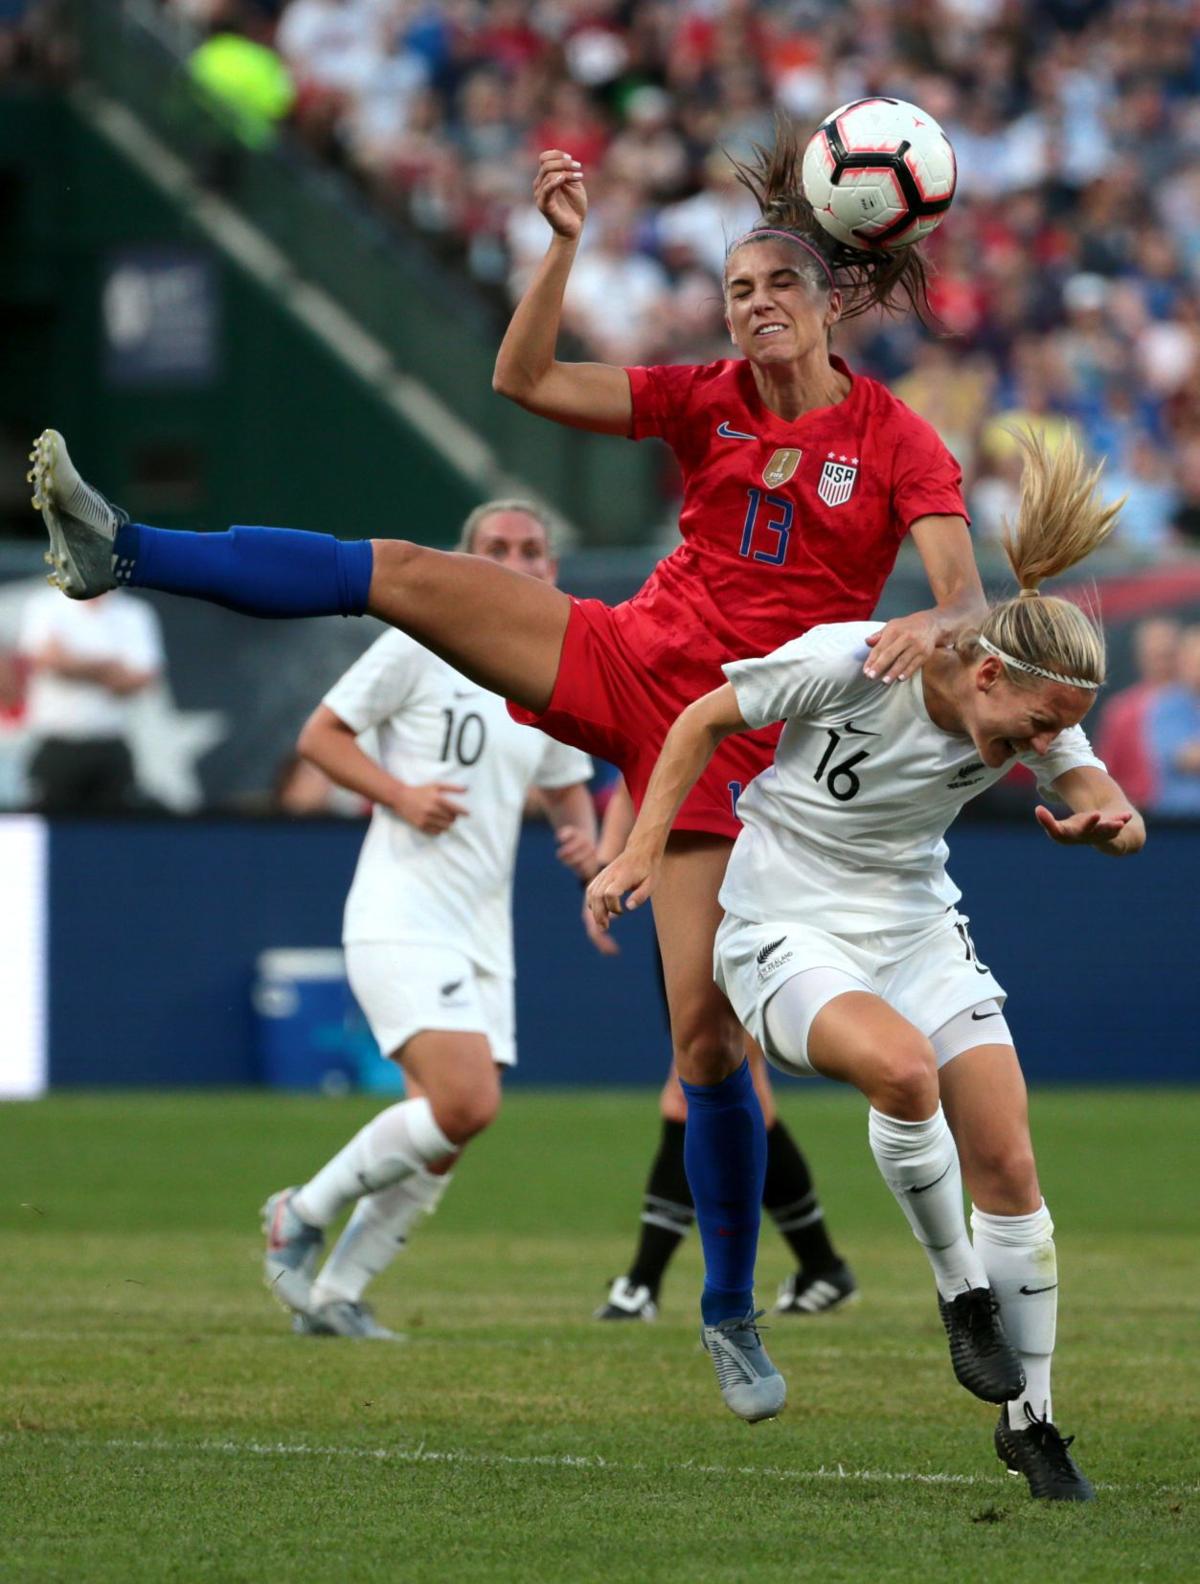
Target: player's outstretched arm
x=332 y=745
x=906 y=642
x=1101 y=815
x=582 y=395
x=629 y=880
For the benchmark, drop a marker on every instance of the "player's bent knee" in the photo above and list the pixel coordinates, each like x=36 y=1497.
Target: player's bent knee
x=904 y=1080
x=463 y=1115
x=1002 y=1177
x=708 y=1061
x=707 y=1047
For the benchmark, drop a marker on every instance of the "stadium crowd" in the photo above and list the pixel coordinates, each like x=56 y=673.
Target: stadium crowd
x=1068 y=280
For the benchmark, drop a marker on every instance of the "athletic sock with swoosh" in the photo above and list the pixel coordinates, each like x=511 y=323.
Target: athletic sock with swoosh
x=376 y=1232
x=1022 y=1269
x=919 y=1163
x=392 y=1146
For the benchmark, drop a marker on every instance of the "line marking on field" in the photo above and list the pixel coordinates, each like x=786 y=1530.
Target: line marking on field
x=564 y=1460
x=586 y=1461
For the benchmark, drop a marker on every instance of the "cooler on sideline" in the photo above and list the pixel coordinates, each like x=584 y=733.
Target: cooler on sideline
x=308 y=1030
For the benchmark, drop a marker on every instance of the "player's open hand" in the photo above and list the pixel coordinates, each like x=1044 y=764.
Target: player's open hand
x=559 y=193
x=1110 y=833
x=430 y=808
x=901 y=647
x=625 y=884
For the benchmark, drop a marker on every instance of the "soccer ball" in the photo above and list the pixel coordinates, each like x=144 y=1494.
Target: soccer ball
x=879 y=173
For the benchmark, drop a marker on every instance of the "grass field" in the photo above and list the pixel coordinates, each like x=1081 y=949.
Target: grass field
x=159 y=1422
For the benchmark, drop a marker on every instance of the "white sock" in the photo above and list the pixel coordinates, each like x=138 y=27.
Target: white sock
x=392 y=1146
x=919 y=1163
x=1022 y=1268
x=375 y=1234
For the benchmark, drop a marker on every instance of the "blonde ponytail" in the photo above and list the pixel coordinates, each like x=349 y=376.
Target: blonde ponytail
x=1060 y=521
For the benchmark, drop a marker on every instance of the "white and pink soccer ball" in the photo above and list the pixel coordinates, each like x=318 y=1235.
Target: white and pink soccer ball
x=879 y=173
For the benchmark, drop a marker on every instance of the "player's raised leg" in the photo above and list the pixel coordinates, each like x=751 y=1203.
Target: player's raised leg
x=503 y=630
x=857 y=1038
x=984 y=1094
x=725 y=1142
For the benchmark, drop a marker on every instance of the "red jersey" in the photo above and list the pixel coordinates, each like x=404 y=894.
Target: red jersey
x=785 y=525
x=1123 y=742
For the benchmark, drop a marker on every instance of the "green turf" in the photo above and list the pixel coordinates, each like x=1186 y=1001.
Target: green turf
x=159 y=1422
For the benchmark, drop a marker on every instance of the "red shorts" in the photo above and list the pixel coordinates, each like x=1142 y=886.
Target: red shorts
x=611 y=701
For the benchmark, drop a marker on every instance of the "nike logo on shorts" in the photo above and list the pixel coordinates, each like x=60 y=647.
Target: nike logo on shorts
x=1030 y=1291
x=978 y=1017
x=726 y=433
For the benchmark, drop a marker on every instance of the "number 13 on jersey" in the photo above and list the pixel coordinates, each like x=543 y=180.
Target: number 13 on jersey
x=770 y=528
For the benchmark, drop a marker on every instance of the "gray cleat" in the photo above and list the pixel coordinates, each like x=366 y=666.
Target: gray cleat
x=344 y=1319
x=293 y=1248
x=81 y=523
x=750 y=1384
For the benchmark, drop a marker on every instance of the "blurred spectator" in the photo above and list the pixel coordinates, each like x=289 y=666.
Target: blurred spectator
x=15 y=17
x=1122 y=737
x=246 y=83
x=1173 y=728
x=698 y=230
x=616 y=298
x=88 y=661
x=12 y=731
x=1186 y=520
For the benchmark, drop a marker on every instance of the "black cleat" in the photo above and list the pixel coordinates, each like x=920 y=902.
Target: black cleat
x=817 y=1292
x=627 y=1301
x=1040 y=1453
x=983 y=1357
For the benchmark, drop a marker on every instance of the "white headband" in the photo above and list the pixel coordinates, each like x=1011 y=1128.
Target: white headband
x=1034 y=670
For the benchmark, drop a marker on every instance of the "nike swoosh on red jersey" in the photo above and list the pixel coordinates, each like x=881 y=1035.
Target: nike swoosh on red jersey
x=726 y=433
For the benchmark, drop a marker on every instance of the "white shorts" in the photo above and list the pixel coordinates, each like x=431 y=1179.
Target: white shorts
x=406 y=988
x=930 y=975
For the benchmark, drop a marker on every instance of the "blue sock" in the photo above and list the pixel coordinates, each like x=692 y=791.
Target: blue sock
x=725 y=1155
x=260 y=571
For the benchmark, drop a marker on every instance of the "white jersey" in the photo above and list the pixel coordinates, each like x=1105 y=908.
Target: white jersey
x=845 y=831
x=434 y=725
x=117 y=627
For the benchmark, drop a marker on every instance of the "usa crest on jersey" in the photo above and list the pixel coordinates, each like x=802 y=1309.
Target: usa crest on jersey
x=837 y=481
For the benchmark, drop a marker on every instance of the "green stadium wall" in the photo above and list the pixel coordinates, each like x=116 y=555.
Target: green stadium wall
x=284 y=431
